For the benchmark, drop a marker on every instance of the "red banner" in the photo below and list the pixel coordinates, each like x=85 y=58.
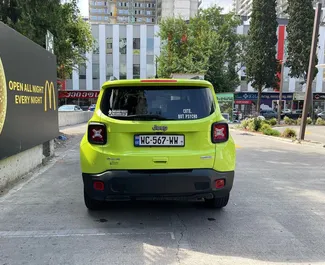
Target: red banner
x=78 y=94
x=243 y=102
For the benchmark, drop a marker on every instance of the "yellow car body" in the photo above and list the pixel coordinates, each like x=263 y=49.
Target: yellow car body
x=132 y=158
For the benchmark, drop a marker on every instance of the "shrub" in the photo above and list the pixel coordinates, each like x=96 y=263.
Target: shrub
x=320 y=121
x=289 y=133
x=287 y=120
x=266 y=122
x=265 y=126
x=255 y=125
x=273 y=121
x=309 y=120
x=298 y=121
x=245 y=123
x=272 y=132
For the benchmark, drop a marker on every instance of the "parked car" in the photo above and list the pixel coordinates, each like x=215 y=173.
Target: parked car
x=321 y=115
x=286 y=111
x=149 y=140
x=70 y=108
x=268 y=114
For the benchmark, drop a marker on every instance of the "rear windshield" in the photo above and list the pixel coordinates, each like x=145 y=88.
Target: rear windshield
x=158 y=103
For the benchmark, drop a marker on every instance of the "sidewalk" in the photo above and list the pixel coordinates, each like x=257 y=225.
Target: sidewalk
x=313 y=133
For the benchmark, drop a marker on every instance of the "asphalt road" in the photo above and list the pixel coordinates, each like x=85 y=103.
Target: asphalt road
x=276 y=215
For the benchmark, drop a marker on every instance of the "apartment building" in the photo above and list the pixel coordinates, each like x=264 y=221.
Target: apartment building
x=122 y=11
x=244 y=7
x=123 y=51
x=177 y=8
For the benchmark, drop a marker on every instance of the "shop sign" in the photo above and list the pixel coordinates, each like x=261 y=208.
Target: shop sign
x=78 y=94
x=243 y=102
x=299 y=96
x=319 y=96
x=254 y=95
x=225 y=96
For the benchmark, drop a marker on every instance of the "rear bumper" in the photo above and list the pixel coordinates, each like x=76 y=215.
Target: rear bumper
x=145 y=184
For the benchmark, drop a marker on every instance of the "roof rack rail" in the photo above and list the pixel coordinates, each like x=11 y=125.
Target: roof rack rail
x=112 y=78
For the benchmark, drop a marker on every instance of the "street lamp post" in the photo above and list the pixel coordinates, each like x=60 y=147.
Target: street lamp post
x=308 y=94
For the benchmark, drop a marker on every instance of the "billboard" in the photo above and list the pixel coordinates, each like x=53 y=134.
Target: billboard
x=28 y=94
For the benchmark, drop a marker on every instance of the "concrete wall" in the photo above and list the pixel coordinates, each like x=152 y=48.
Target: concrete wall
x=16 y=166
x=74 y=117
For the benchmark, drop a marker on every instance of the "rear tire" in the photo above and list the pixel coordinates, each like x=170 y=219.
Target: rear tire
x=92 y=204
x=217 y=203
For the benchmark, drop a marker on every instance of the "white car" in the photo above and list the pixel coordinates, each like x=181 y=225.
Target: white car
x=286 y=111
x=70 y=108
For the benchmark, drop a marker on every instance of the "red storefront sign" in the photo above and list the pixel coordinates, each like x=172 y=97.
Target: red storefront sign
x=243 y=102
x=78 y=94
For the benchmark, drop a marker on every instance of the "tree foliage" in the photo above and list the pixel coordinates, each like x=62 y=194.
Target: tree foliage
x=261 y=62
x=206 y=44
x=72 y=35
x=300 y=30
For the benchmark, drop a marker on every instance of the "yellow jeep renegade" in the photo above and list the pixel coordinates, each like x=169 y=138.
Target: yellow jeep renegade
x=157 y=139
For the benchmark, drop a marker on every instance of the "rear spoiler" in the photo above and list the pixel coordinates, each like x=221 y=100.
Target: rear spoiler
x=197 y=77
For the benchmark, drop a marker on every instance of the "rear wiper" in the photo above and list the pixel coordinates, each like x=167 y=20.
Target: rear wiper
x=143 y=116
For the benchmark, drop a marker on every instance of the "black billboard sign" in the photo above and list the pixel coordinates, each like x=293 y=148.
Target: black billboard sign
x=28 y=93
x=319 y=96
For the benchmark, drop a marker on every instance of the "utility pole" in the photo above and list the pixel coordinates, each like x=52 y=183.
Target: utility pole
x=310 y=77
x=281 y=89
x=281 y=82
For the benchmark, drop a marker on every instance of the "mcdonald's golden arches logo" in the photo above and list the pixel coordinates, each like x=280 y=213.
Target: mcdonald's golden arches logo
x=3 y=96
x=49 y=96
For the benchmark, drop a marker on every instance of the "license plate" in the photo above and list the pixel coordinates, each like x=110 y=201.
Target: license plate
x=159 y=140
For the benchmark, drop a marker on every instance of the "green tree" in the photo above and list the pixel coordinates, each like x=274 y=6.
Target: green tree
x=9 y=11
x=207 y=44
x=300 y=31
x=72 y=35
x=261 y=62
x=183 y=49
x=227 y=49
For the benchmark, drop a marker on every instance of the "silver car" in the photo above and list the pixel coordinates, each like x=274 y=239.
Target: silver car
x=321 y=115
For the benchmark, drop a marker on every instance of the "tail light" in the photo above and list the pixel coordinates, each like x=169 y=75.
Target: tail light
x=219 y=132
x=97 y=133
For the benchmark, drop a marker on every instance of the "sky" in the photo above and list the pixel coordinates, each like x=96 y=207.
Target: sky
x=226 y=4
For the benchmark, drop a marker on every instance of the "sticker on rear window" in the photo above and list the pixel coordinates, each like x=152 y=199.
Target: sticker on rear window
x=187 y=115
x=116 y=112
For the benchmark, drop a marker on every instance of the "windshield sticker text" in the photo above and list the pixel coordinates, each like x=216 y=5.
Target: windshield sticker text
x=118 y=113
x=187 y=115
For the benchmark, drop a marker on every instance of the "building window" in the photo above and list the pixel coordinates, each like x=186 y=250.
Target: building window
x=136 y=45
x=122 y=71
x=95 y=70
x=96 y=47
x=82 y=71
x=136 y=71
x=150 y=45
x=150 y=70
x=109 y=45
x=123 y=46
x=109 y=71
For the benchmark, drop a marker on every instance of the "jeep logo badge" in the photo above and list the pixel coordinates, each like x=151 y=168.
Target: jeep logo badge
x=159 y=128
